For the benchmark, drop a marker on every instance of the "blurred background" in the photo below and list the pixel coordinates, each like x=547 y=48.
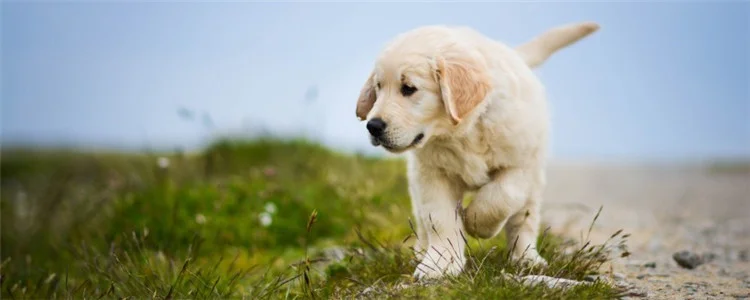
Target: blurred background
x=660 y=81
x=231 y=122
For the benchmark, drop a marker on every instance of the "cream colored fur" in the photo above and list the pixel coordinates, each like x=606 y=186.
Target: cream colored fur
x=483 y=116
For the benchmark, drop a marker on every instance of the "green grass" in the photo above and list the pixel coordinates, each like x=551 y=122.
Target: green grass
x=107 y=225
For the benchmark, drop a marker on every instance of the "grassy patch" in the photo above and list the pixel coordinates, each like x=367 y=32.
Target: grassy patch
x=235 y=222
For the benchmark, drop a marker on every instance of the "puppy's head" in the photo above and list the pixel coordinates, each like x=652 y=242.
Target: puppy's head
x=424 y=84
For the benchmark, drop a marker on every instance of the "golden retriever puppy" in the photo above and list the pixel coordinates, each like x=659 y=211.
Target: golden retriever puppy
x=470 y=115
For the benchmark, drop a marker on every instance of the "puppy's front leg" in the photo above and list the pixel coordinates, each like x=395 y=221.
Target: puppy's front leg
x=508 y=197
x=434 y=199
x=422 y=243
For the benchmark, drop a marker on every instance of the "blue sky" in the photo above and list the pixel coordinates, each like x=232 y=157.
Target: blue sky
x=661 y=80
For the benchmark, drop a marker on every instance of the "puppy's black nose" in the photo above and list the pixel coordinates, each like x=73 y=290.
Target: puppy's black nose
x=376 y=126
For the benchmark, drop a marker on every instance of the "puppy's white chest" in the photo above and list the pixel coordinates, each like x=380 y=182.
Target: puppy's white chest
x=472 y=169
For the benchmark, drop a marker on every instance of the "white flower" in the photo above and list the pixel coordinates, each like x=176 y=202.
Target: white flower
x=163 y=162
x=270 y=208
x=161 y=257
x=265 y=219
x=200 y=219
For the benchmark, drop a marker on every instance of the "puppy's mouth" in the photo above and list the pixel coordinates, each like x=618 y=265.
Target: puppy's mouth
x=375 y=141
x=417 y=139
x=393 y=148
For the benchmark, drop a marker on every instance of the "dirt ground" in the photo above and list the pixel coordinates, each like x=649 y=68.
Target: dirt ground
x=666 y=209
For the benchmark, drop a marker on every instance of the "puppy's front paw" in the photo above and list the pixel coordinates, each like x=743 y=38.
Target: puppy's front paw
x=426 y=271
x=531 y=258
x=435 y=265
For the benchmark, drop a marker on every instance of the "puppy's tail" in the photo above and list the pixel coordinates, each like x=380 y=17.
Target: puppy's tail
x=536 y=51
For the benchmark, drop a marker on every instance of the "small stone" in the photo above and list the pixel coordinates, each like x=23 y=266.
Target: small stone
x=687 y=259
x=635 y=292
x=690 y=287
x=650 y=265
x=618 y=276
x=641 y=276
x=744 y=255
x=594 y=278
x=551 y=282
x=707 y=257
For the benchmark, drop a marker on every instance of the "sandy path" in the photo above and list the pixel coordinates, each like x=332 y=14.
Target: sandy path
x=666 y=209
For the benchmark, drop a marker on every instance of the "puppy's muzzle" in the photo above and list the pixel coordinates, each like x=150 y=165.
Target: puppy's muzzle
x=376 y=127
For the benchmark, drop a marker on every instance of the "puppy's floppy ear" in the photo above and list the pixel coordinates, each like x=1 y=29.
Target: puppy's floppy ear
x=367 y=98
x=464 y=83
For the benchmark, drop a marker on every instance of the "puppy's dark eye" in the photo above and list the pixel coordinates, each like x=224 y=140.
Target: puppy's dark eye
x=407 y=90
x=378 y=85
